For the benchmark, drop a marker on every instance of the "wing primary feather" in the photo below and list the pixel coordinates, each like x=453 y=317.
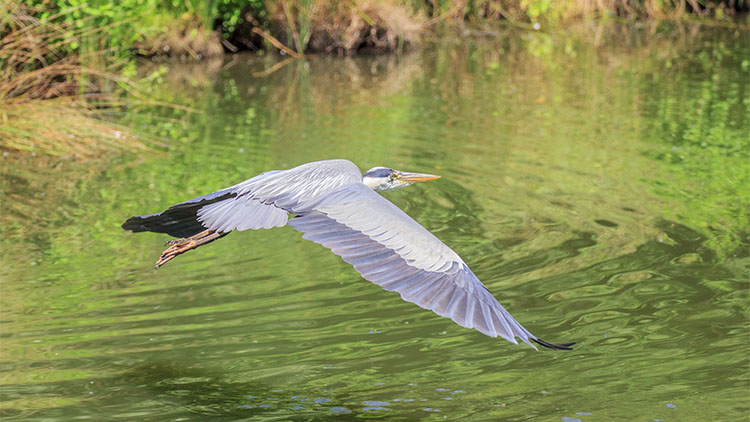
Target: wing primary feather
x=401 y=282
x=504 y=324
x=558 y=346
x=379 y=266
x=362 y=252
x=362 y=260
x=486 y=314
x=445 y=292
x=457 y=308
x=412 y=291
x=478 y=321
x=337 y=237
x=342 y=250
x=352 y=243
x=470 y=302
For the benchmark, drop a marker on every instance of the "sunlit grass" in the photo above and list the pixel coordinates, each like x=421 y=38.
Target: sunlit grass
x=60 y=126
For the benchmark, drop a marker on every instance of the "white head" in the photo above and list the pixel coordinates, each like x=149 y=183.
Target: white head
x=383 y=178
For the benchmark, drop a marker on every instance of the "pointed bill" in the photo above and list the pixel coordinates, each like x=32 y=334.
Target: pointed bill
x=416 y=177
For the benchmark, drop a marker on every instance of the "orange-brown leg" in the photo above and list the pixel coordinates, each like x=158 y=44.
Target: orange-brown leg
x=180 y=246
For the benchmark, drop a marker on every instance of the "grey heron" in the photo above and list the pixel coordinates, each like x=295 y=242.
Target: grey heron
x=332 y=203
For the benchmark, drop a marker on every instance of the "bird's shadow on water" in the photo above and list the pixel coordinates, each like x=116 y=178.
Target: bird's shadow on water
x=173 y=390
x=191 y=390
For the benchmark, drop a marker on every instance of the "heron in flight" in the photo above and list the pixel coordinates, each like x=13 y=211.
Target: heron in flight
x=332 y=203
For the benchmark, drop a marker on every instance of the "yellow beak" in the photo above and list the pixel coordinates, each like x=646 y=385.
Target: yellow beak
x=416 y=177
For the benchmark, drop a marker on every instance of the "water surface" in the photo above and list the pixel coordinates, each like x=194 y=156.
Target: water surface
x=600 y=191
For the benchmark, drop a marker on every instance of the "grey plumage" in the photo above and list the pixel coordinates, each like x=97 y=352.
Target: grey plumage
x=336 y=206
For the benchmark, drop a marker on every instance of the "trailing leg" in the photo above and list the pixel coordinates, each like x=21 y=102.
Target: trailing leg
x=180 y=246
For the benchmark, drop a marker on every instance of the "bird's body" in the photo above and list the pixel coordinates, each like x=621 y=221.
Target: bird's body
x=334 y=205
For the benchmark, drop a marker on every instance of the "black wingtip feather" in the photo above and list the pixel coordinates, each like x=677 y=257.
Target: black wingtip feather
x=135 y=224
x=180 y=220
x=560 y=346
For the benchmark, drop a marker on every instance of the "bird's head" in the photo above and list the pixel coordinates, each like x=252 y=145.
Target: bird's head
x=382 y=178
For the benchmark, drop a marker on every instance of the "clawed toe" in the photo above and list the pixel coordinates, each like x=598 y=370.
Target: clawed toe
x=180 y=246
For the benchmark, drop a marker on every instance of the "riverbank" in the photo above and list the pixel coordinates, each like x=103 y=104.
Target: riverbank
x=68 y=67
x=207 y=29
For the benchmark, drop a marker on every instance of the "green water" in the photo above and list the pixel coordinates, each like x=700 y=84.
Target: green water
x=600 y=191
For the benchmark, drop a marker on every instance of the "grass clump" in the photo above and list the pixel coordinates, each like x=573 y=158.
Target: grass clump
x=346 y=27
x=51 y=95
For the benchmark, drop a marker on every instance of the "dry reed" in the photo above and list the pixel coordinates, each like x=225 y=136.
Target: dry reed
x=346 y=27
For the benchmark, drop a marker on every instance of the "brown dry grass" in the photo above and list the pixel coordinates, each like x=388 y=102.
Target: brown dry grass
x=346 y=27
x=366 y=25
x=47 y=88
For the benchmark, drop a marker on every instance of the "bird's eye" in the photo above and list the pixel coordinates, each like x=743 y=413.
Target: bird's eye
x=393 y=176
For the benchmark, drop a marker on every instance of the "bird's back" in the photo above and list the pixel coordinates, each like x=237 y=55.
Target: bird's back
x=294 y=188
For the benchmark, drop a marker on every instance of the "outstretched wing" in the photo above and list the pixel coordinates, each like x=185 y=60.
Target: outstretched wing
x=393 y=251
x=262 y=202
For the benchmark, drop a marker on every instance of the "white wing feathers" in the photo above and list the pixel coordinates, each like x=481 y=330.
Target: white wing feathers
x=392 y=250
x=239 y=213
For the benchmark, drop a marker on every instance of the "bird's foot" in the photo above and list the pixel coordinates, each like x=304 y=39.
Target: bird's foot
x=176 y=248
x=180 y=246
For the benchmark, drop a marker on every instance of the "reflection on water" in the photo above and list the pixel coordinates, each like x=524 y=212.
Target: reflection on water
x=597 y=191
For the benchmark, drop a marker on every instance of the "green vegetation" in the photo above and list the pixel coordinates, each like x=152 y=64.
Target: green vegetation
x=199 y=27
